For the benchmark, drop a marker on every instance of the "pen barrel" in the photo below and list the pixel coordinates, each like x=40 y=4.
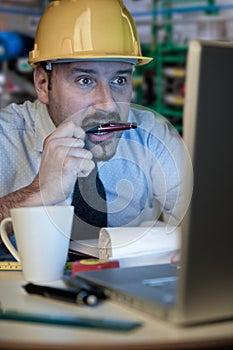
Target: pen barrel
x=79 y=297
x=112 y=127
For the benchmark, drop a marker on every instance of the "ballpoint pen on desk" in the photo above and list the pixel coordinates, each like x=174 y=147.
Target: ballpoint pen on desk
x=73 y=321
x=79 y=296
x=111 y=127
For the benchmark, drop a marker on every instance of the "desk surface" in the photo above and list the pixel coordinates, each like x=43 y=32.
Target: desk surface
x=153 y=334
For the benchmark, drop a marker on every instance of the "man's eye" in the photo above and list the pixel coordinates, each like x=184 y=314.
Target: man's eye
x=120 y=81
x=84 y=81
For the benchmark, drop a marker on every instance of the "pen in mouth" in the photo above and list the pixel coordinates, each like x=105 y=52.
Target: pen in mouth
x=111 y=127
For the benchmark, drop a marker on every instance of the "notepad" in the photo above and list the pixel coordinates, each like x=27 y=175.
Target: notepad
x=126 y=242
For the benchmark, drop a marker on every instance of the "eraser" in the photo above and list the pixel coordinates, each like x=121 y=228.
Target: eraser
x=93 y=264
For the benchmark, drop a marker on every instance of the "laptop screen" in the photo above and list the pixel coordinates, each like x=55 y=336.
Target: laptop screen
x=208 y=133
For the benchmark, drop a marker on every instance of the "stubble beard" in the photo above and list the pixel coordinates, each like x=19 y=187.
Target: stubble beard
x=103 y=150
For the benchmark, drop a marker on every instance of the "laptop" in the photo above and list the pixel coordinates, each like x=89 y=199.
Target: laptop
x=200 y=289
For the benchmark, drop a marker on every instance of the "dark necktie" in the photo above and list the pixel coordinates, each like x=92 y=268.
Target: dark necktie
x=89 y=201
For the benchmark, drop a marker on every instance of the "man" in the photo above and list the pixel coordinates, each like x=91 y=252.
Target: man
x=84 y=56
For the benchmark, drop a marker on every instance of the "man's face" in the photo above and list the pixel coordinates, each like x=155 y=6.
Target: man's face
x=93 y=93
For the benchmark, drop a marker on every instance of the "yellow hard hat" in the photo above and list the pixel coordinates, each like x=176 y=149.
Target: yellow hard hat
x=86 y=29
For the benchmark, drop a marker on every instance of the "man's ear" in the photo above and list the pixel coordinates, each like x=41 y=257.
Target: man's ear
x=41 y=81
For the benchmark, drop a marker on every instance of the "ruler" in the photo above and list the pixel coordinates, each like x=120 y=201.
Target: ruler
x=14 y=266
x=10 y=265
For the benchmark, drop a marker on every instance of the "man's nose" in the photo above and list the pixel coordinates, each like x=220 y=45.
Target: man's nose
x=104 y=98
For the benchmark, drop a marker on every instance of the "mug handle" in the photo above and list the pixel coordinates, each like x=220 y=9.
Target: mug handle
x=6 y=240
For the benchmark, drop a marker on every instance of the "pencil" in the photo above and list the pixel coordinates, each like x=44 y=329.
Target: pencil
x=73 y=321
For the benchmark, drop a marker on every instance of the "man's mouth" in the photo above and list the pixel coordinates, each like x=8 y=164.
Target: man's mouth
x=99 y=136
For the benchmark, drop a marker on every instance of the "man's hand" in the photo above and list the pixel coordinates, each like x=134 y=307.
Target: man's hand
x=176 y=259
x=63 y=160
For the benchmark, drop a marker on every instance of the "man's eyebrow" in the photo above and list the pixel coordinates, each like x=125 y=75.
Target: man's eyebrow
x=124 y=71
x=82 y=70
x=92 y=71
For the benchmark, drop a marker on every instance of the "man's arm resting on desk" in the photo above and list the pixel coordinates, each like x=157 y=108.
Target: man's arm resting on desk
x=24 y=197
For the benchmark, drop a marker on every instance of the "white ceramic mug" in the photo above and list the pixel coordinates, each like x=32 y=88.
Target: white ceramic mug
x=42 y=237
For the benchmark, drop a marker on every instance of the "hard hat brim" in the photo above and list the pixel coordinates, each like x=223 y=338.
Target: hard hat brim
x=138 y=61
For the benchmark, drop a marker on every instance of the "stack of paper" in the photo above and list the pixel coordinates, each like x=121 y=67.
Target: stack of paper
x=152 y=244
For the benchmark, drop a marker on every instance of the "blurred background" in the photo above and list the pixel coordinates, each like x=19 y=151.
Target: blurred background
x=165 y=29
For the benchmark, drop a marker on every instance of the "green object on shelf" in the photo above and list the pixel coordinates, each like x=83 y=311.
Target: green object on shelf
x=173 y=59
x=168 y=54
x=169 y=112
